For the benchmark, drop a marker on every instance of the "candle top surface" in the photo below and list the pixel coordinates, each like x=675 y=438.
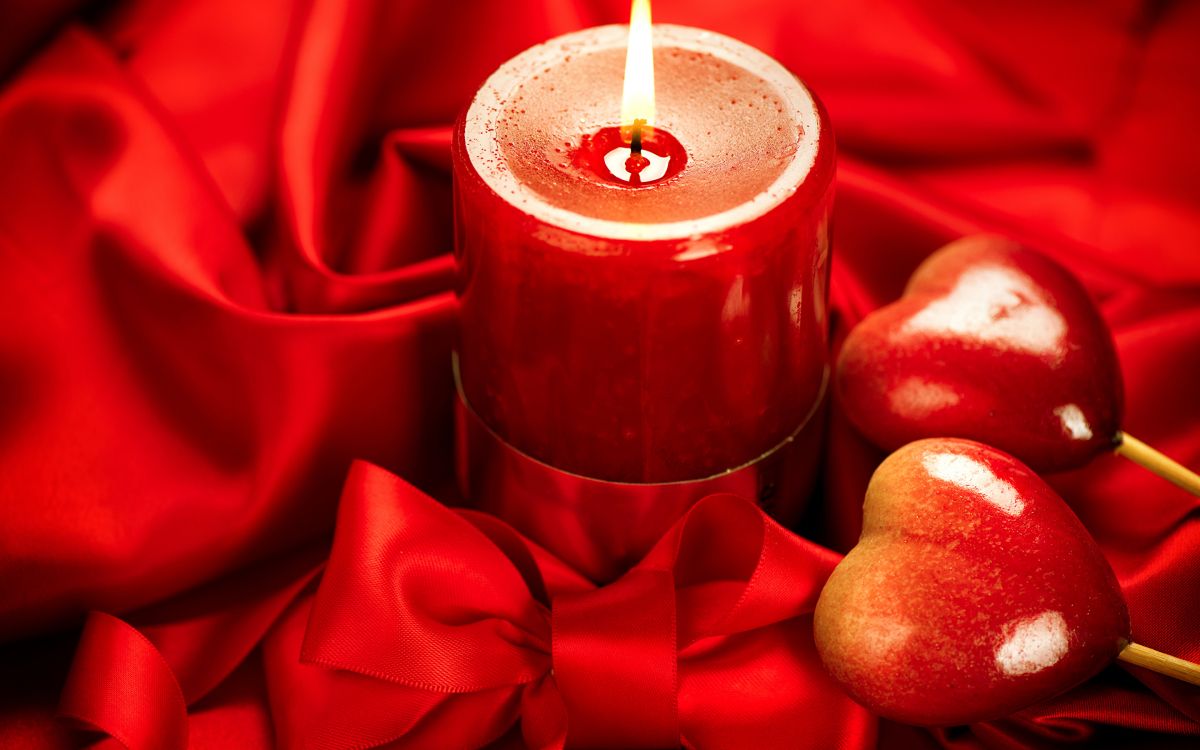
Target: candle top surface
x=748 y=126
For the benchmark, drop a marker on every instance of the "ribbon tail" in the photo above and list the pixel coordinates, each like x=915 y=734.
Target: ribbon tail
x=134 y=682
x=120 y=685
x=206 y=633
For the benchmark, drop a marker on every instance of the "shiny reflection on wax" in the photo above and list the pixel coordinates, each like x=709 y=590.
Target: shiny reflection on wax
x=1033 y=644
x=976 y=477
x=999 y=306
x=737 y=301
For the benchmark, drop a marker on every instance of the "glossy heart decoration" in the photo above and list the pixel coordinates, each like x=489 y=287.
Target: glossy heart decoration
x=990 y=341
x=973 y=592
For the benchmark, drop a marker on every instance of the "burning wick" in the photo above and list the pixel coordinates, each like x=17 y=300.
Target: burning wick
x=637 y=98
x=636 y=161
x=636 y=154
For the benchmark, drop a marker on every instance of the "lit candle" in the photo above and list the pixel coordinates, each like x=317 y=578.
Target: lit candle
x=643 y=298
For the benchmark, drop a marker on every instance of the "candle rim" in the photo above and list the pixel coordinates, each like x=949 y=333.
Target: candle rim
x=486 y=109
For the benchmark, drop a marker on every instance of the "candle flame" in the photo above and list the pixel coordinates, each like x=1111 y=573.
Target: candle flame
x=637 y=102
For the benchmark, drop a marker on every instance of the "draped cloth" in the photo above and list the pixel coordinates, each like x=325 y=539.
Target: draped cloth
x=225 y=233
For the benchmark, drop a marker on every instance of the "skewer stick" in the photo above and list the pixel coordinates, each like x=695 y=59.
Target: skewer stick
x=1143 y=455
x=1157 y=661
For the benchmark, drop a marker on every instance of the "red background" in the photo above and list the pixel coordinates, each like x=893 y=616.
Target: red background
x=224 y=273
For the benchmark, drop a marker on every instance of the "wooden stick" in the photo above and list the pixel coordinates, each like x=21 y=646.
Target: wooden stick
x=1143 y=455
x=1157 y=661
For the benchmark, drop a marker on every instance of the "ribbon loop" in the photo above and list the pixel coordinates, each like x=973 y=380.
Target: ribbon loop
x=615 y=662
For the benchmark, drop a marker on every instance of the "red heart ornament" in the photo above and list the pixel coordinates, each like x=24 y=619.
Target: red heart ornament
x=973 y=592
x=990 y=341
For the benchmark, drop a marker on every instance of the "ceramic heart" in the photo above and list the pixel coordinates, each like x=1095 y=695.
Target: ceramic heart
x=993 y=342
x=973 y=592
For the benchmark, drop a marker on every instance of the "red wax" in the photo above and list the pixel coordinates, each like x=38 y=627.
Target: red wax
x=653 y=331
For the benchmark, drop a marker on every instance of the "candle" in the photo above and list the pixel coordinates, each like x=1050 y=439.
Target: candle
x=643 y=287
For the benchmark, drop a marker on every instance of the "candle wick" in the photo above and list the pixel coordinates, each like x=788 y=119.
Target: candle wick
x=636 y=161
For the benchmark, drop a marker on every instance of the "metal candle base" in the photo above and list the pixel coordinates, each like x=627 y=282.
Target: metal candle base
x=602 y=528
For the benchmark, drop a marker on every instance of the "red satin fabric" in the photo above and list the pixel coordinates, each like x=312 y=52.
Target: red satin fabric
x=224 y=230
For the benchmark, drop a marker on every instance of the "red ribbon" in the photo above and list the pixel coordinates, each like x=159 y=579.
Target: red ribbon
x=615 y=664
x=441 y=628
x=444 y=627
x=112 y=654
x=135 y=683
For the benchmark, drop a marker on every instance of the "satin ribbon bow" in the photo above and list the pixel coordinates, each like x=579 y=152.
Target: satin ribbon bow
x=442 y=628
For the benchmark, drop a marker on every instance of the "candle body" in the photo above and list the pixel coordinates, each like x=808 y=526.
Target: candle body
x=646 y=342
